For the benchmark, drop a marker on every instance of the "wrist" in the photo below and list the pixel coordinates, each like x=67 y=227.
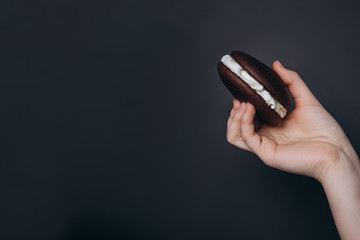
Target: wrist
x=346 y=167
x=342 y=187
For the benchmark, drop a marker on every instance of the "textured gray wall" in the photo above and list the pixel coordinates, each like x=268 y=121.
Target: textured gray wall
x=113 y=117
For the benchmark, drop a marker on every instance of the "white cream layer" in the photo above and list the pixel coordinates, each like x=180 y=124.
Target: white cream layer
x=230 y=63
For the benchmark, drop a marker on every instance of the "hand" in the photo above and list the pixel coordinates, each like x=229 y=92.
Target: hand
x=309 y=142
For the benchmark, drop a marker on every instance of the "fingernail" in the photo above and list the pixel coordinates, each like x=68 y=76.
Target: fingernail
x=280 y=63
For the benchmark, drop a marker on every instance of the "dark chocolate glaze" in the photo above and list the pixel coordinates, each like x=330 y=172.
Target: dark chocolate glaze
x=266 y=76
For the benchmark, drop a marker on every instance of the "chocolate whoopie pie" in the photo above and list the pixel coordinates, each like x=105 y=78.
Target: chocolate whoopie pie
x=250 y=80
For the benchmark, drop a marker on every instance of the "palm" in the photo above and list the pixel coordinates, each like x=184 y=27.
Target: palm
x=304 y=143
x=303 y=124
x=307 y=137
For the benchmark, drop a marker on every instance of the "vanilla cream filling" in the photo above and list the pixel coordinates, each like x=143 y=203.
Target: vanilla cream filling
x=230 y=63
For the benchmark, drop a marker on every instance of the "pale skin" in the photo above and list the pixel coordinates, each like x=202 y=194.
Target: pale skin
x=309 y=142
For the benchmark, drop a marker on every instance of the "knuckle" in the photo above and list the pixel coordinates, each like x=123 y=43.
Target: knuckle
x=268 y=156
x=245 y=135
x=270 y=161
x=295 y=74
x=230 y=138
x=237 y=116
x=247 y=117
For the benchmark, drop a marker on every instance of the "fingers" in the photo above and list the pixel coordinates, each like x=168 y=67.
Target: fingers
x=236 y=123
x=233 y=134
x=297 y=87
x=236 y=105
x=251 y=138
x=262 y=146
x=242 y=134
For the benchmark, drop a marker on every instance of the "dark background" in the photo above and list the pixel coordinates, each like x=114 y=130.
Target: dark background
x=113 y=117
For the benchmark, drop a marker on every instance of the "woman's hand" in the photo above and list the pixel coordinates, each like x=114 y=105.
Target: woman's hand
x=309 y=142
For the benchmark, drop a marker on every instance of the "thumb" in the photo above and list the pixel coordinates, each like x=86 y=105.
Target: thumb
x=297 y=87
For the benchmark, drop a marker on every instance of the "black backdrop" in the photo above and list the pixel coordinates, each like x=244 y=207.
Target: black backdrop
x=113 y=117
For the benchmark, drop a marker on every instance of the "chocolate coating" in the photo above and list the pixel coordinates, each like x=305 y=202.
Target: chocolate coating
x=266 y=76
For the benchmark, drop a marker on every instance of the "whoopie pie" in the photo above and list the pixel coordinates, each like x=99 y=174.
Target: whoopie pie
x=250 y=80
